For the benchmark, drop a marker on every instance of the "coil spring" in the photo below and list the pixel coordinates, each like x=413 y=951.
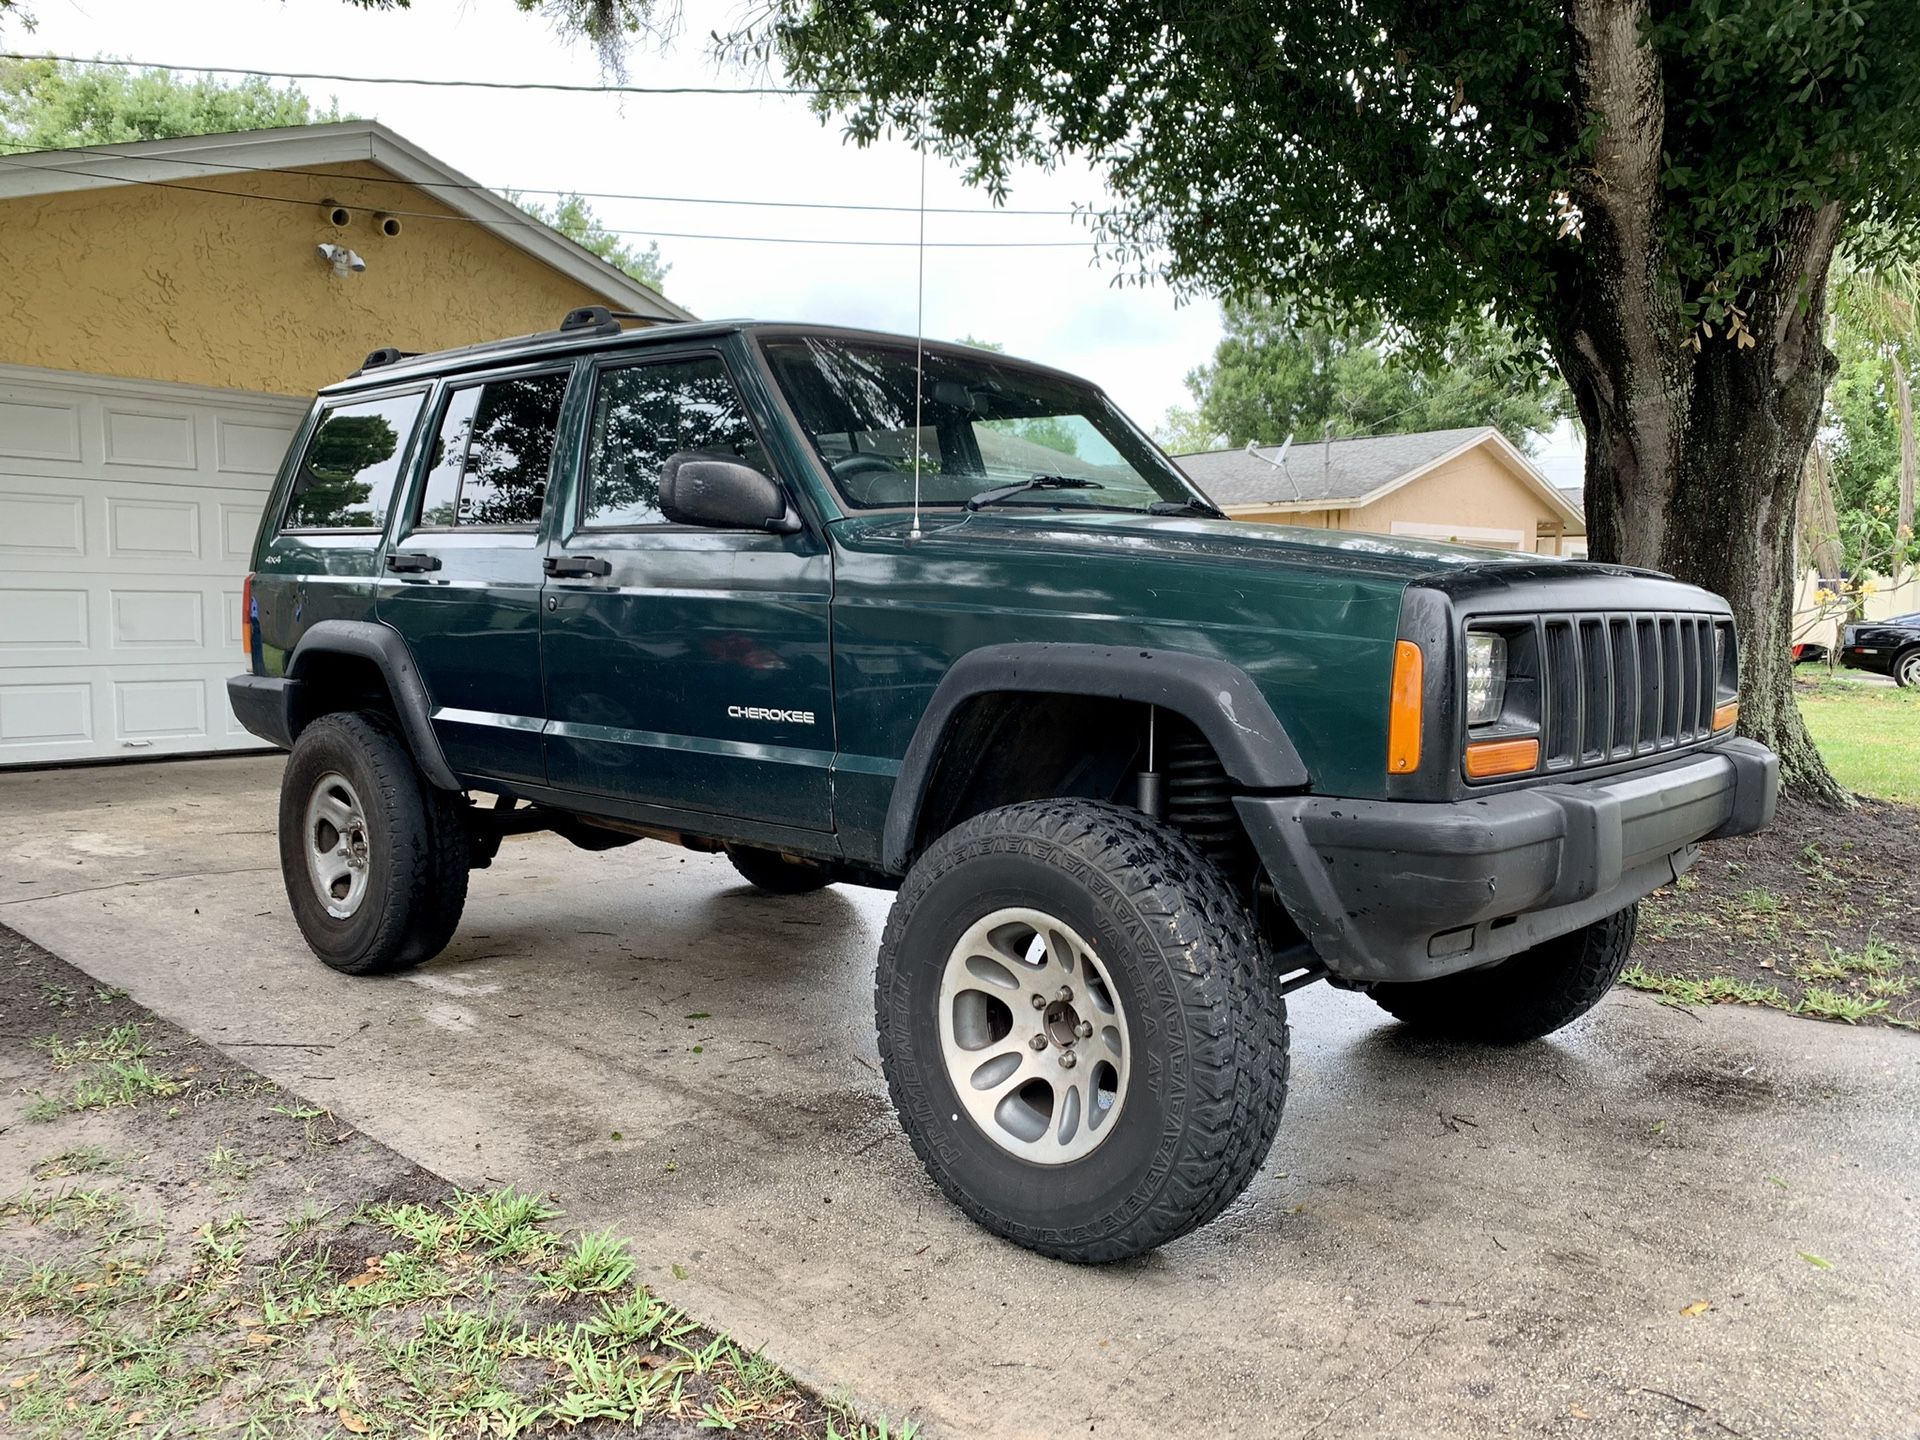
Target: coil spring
x=1200 y=798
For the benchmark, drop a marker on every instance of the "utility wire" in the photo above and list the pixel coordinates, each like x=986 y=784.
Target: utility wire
x=553 y=85
x=537 y=190
x=533 y=224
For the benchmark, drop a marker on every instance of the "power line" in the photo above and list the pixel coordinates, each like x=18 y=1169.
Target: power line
x=583 y=194
x=553 y=85
x=531 y=223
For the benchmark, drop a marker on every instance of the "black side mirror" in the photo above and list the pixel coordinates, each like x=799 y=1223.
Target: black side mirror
x=721 y=492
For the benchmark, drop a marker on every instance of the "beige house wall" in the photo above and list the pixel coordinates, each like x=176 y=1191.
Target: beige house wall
x=168 y=283
x=1473 y=499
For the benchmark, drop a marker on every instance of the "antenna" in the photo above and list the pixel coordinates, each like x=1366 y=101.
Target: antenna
x=919 y=327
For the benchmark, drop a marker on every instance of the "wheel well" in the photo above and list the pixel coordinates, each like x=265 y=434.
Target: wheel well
x=331 y=682
x=1005 y=747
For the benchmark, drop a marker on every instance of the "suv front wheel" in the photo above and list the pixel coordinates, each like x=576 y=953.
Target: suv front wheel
x=374 y=857
x=1081 y=1031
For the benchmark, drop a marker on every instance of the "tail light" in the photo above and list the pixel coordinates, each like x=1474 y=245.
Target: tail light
x=246 y=617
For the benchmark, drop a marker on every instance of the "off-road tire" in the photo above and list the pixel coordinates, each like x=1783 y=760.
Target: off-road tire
x=1906 y=669
x=778 y=874
x=1206 y=1019
x=417 y=848
x=1524 y=997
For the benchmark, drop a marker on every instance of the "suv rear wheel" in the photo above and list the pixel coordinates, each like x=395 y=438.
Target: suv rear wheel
x=374 y=857
x=779 y=874
x=1524 y=997
x=1081 y=1032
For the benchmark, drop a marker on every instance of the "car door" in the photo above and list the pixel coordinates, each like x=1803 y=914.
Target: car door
x=462 y=576
x=686 y=668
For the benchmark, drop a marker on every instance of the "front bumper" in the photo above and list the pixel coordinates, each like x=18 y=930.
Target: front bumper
x=1399 y=891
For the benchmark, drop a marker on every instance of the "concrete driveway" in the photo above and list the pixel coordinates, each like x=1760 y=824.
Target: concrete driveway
x=1444 y=1242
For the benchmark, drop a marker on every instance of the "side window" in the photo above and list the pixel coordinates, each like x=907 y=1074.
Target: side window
x=346 y=477
x=491 y=459
x=643 y=415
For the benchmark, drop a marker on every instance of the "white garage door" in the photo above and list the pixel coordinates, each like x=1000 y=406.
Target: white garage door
x=127 y=515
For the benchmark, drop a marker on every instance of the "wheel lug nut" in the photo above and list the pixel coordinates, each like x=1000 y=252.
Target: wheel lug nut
x=1039 y=1002
x=1066 y=994
x=1039 y=1042
x=1066 y=1059
x=1084 y=1029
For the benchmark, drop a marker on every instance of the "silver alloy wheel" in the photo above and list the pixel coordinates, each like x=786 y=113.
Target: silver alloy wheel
x=1908 y=670
x=336 y=845
x=1034 y=1037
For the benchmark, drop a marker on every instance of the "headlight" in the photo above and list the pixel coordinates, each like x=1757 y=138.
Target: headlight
x=1486 y=677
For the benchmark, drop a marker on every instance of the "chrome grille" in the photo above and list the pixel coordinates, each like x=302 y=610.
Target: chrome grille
x=1615 y=687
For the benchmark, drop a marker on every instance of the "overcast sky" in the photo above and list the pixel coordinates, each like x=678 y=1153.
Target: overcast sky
x=1048 y=304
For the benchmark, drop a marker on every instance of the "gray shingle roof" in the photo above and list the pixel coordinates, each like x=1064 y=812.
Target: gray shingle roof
x=1344 y=470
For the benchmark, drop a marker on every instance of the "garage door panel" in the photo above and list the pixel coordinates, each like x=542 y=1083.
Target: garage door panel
x=146 y=529
x=239 y=523
x=153 y=439
x=49 y=525
x=36 y=426
x=158 y=620
x=250 y=447
x=44 y=621
x=127 y=519
x=171 y=709
x=50 y=715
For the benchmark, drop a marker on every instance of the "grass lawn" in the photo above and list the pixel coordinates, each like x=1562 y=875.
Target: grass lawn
x=1819 y=914
x=1869 y=734
x=188 y=1250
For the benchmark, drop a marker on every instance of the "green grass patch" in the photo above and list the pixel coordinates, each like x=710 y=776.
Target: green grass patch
x=1704 y=990
x=1868 y=735
x=437 y=1336
x=118 y=1082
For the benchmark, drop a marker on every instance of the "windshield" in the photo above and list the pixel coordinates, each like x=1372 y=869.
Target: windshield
x=988 y=429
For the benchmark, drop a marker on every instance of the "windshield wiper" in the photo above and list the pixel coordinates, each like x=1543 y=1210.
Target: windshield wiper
x=1192 y=505
x=1032 y=482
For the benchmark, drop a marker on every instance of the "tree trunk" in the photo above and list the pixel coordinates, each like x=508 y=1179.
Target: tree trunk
x=1695 y=437
x=1903 y=518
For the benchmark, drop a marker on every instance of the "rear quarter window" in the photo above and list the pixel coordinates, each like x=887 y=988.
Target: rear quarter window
x=351 y=466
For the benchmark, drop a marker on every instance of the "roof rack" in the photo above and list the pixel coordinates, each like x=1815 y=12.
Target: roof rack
x=596 y=318
x=385 y=355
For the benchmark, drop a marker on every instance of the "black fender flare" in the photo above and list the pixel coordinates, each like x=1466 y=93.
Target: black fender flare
x=1218 y=697
x=387 y=649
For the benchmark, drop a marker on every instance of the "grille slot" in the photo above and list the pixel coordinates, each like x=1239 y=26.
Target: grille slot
x=1617 y=687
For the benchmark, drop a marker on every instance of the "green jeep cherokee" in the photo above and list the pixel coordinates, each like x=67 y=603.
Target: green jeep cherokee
x=850 y=610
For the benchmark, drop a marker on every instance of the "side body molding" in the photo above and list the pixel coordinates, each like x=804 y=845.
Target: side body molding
x=1216 y=696
x=387 y=649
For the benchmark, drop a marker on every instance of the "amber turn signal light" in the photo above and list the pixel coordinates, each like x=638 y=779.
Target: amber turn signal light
x=1488 y=758
x=1404 y=706
x=1726 y=716
x=246 y=616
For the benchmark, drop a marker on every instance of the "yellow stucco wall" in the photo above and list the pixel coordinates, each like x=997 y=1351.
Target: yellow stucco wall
x=1474 y=492
x=167 y=283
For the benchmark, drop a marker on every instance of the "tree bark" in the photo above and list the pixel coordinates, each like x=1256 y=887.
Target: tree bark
x=1903 y=514
x=1695 y=438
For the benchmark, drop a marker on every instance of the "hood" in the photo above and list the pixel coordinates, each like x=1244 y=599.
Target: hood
x=1241 y=543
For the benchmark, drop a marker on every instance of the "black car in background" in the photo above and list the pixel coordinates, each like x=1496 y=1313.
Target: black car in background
x=1888 y=647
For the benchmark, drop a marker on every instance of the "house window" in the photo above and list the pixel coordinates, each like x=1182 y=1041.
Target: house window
x=493 y=456
x=645 y=414
x=346 y=477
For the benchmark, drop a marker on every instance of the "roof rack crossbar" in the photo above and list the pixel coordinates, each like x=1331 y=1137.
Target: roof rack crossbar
x=596 y=318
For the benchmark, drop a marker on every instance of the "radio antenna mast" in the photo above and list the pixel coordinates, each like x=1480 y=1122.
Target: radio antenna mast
x=919 y=324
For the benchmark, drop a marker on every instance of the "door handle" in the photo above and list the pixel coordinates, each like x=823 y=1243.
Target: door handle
x=576 y=566
x=408 y=562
